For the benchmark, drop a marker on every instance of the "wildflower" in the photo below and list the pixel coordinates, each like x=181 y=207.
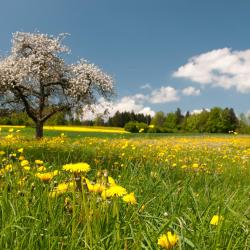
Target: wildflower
x=111 y=181
x=61 y=188
x=216 y=219
x=20 y=150
x=27 y=168
x=2 y=152
x=115 y=191
x=46 y=177
x=41 y=168
x=130 y=198
x=24 y=163
x=141 y=130
x=96 y=188
x=151 y=126
x=38 y=162
x=21 y=158
x=8 y=167
x=9 y=136
x=168 y=240
x=77 y=167
x=11 y=130
x=195 y=165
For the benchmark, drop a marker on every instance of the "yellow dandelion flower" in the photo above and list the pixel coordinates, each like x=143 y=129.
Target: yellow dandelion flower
x=20 y=150
x=26 y=168
x=77 y=167
x=216 y=219
x=115 y=191
x=24 y=163
x=98 y=188
x=41 y=169
x=21 y=158
x=195 y=165
x=45 y=177
x=8 y=167
x=168 y=240
x=2 y=153
x=62 y=188
x=130 y=198
x=38 y=162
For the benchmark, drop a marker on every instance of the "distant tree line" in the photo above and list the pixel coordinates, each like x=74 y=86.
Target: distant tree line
x=216 y=120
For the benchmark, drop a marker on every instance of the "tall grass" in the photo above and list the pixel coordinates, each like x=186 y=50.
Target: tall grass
x=180 y=183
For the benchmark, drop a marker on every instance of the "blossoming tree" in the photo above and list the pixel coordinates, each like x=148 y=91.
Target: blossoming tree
x=34 y=77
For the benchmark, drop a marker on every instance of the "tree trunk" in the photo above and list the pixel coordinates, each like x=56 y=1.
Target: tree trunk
x=39 y=130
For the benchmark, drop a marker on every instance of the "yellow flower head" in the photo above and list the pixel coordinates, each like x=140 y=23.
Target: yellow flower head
x=2 y=152
x=130 y=198
x=61 y=188
x=96 y=188
x=216 y=219
x=168 y=240
x=115 y=191
x=8 y=167
x=80 y=167
x=38 y=162
x=9 y=136
x=41 y=168
x=46 y=177
x=20 y=150
x=21 y=158
x=24 y=163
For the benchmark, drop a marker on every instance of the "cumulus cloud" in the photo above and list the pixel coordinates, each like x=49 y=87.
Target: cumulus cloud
x=188 y=91
x=221 y=68
x=127 y=103
x=163 y=95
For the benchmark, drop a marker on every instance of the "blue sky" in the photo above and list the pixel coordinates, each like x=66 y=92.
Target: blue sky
x=146 y=45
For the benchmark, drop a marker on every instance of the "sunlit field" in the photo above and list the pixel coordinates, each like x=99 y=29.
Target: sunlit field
x=77 y=190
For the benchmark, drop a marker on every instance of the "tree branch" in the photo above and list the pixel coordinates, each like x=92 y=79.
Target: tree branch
x=28 y=108
x=54 y=111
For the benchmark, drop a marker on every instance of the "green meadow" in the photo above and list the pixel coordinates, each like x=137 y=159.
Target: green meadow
x=137 y=189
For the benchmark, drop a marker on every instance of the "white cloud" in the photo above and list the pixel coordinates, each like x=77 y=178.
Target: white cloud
x=188 y=91
x=127 y=103
x=164 y=94
x=198 y=111
x=146 y=86
x=221 y=68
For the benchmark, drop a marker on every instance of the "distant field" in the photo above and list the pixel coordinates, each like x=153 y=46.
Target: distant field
x=130 y=191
